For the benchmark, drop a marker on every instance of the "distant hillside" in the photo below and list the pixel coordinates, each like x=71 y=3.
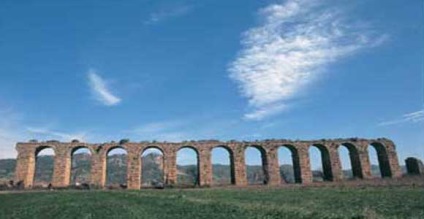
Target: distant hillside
x=7 y=169
x=152 y=171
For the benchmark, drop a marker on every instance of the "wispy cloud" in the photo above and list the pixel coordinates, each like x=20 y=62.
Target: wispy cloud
x=100 y=90
x=168 y=13
x=12 y=130
x=261 y=113
x=293 y=44
x=9 y=133
x=161 y=131
x=45 y=133
x=414 y=117
x=184 y=129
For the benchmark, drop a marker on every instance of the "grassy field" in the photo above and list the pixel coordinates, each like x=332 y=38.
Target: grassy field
x=218 y=203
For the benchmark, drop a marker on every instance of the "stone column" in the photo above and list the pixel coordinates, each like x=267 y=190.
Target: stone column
x=98 y=169
x=239 y=166
x=25 y=166
x=164 y=168
x=355 y=162
x=364 y=160
x=205 y=167
x=273 y=167
x=414 y=166
x=393 y=159
x=296 y=164
x=133 y=169
x=336 y=167
x=170 y=161
x=62 y=167
x=304 y=163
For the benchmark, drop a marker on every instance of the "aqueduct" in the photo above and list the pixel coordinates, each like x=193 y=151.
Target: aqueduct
x=332 y=170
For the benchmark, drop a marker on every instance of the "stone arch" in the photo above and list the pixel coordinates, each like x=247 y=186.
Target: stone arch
x=108 y=149
x=190 y=147
x=231 y=162
x=74 y=149
x=43 y=147
x=383 y=158
x=83 y=167
x=264 y=163
x=152 y=171
x=153 y=147
x=327 y=174
x=118 y=163
x=295 y=162
x=188 y=171
x=354 y=158
x=43 y=176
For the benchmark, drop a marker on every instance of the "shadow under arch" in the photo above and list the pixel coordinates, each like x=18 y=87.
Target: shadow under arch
x=264 y=162
x=295 y=162
x=383 y=159
x=152 y=171
x=231 y=160
x=325 y=161
x=188 y=169
x=355 y=162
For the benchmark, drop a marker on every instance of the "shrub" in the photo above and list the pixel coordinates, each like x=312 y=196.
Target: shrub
x=124 y=141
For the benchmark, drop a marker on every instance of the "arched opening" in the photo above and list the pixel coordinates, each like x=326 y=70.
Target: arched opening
x=44 y=167
x=222 y=166
x=187 y=167
x=379 y=160
x=345 y=162
x=152 y=164
x=116 y=174
x=374 y=165
x=255 y=161
x=320 y=163
x=288 y=160
x=80 y=166
x=350 y=162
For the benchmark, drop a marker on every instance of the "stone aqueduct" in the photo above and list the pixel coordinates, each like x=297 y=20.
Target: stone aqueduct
x=358 y=153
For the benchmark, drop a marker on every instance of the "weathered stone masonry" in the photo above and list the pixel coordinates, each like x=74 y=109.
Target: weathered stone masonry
x=358 y=152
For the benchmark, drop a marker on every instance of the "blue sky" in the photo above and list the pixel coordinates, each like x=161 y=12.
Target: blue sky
x=181 y=70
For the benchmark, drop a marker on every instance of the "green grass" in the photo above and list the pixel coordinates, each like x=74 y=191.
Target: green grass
x=218 y=203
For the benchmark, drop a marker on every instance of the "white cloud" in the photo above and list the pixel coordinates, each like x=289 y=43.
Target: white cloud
x=7 y=147
x=12 y=130
x=261 y=113
x=183 y=130
x=292 y=46
x=10 y=133
x=8 y=139
x=168 y=13
x=155 y=127
x=44 y=133
x=414 y=117
x=160 y=131
x=100 y=90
